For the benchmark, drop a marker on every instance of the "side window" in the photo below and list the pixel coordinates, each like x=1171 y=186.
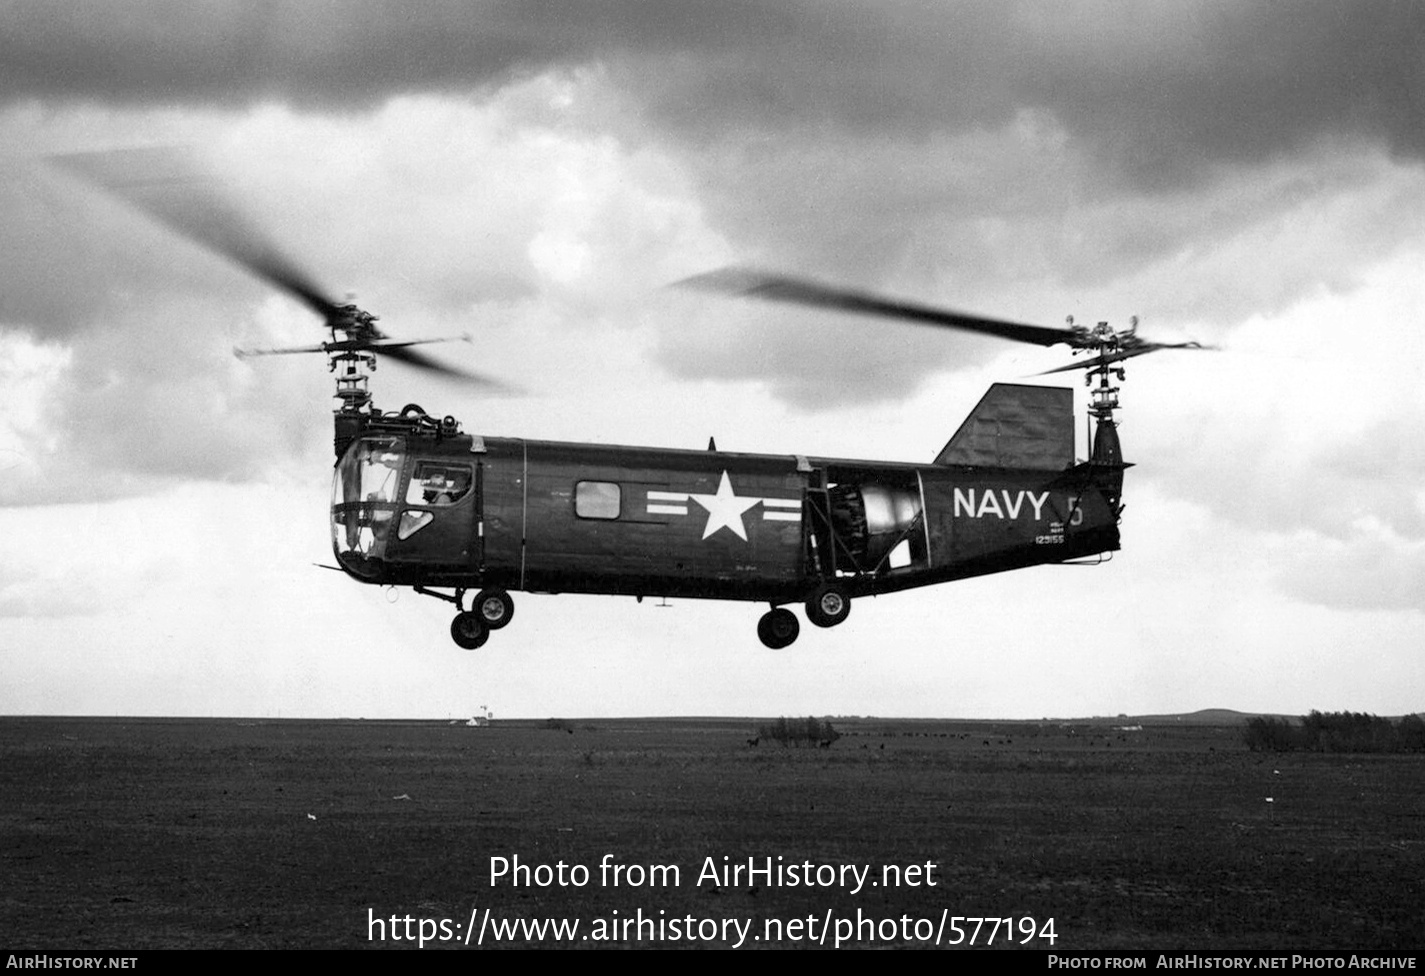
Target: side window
x=438 y=484
x=596 y=499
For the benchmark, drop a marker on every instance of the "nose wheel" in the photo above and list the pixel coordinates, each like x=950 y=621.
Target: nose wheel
x=491 y=610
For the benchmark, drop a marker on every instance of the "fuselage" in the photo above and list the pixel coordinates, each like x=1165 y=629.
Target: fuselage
x=463 y=511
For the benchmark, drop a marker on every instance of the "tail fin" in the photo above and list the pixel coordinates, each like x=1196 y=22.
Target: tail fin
x=1016 y=426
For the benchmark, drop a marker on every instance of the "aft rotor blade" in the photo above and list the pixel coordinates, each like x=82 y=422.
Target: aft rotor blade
x=1139 y=349
x=169 y=186
x=780 y=288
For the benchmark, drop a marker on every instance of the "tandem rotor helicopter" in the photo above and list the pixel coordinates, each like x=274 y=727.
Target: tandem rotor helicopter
x=418 y=501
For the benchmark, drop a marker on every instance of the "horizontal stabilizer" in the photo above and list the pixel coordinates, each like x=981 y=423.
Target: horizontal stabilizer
x=1016 y=426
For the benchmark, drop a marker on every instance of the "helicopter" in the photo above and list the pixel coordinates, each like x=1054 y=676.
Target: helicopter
x=469 y=518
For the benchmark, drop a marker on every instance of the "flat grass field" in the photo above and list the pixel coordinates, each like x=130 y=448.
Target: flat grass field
x=213 y=833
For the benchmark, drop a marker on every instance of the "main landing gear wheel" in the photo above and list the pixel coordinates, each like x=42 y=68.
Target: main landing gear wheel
x=828 y=606
x=468 y=630
x=778 y=628
x=495 y=607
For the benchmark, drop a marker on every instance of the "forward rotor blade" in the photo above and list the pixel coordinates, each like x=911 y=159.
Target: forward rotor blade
x=780 y=288
x=402 y=343
x=401 y=353
x=169 y=186
x=329 y=347
x=399 y=350
x=241 y=353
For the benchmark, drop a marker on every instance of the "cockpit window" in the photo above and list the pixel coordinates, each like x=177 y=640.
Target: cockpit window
x=364 y=500
x=438 y=484
x=369 y=472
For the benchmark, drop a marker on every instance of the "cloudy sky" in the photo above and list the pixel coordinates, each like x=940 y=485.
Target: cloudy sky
x=534 y=174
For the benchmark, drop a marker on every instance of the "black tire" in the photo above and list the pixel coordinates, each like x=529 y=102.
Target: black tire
x=495 y=607
x=469 y=630
x=828 y=606
x=778 y=628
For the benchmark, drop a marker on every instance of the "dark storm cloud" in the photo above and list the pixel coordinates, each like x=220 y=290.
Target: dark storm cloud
x=351 y=54
x=1159 y=90
x=1242 y=82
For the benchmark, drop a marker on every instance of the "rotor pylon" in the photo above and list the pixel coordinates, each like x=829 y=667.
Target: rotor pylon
x=350 y=356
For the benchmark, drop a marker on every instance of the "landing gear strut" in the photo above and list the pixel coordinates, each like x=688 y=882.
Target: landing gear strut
x=778 y=628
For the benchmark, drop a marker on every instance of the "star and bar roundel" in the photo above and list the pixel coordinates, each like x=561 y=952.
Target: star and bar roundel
x=725 y=509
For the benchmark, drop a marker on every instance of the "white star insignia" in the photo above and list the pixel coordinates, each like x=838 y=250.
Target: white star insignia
x=725 y=509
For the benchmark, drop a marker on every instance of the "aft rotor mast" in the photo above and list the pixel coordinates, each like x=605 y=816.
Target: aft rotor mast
x=1107 y=347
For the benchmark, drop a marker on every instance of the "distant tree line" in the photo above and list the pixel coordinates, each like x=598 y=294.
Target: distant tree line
x=1336 y=732
x=797 y=732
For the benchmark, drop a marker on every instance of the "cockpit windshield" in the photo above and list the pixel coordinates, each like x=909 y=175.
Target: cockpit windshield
x=364 y=502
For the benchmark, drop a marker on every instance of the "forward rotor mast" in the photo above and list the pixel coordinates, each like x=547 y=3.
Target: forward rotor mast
x=351 y=358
